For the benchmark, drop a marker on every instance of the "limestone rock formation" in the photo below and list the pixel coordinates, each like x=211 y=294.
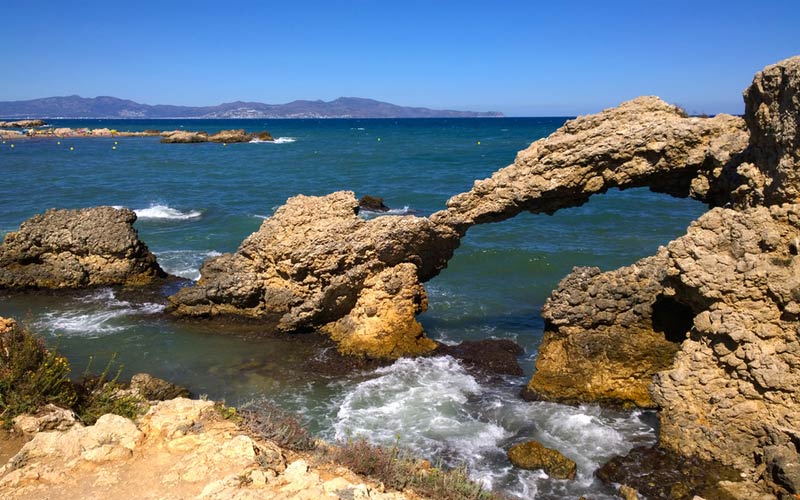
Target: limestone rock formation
x=533 y=455
x=771 y=111
x=316 y=264
x=76 y=248
x=733 y=391
x=155 y=389
x=642 y=142
x=607 y=334
x=180 y=449
x=225 y=136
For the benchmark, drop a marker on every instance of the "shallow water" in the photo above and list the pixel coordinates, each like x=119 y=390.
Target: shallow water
x=198 y=200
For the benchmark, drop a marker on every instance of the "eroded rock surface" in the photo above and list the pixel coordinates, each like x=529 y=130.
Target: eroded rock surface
x=607 y=334
x=180 y=449
x=77 y=248
x=533 y=455
x=642 y=142
x=316 y=264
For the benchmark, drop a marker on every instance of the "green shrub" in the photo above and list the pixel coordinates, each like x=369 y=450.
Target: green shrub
x=399 y=470
x=265 y=419
x=31 y=376
x=97 y=395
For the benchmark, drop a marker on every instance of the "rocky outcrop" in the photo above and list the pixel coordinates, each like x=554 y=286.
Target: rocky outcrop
x=180 y=449
x=533 y=455
x=224 y=136
x=155 y=389
x=642 y=142
x=316 y=265
x=22 y=124
x=607 y=334
x=76 y=248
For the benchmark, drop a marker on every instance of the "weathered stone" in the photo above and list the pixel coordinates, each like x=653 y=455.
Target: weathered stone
x=532 y=455
x=155 y=389
x=315 y=262
x=22 y=124
x=642 y=142
x=494 y=356
x=372 y=203
x=607 y=334
x=77 y=248
x=48 y=418
x=183 y=137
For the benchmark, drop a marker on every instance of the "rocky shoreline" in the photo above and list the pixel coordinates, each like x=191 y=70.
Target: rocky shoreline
x=705 y=331
x=34 y=129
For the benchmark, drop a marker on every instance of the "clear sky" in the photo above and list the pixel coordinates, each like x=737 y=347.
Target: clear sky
x=519 y=57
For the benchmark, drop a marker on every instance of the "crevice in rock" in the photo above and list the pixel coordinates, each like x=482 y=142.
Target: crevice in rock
x=672 y=318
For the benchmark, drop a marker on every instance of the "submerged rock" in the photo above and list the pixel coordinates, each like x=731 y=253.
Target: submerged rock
x=533 y=455
x=77 y=248
x=493 y=356
x=316 y=265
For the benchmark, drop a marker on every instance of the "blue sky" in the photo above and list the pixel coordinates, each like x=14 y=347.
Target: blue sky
x=520 y=57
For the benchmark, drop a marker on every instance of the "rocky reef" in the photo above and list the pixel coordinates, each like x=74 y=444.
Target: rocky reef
x=224 y=136
x=76 y=248
x=315 y=264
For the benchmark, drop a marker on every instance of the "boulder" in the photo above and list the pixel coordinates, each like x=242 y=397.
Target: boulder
x=183 y=137
x=316 y=265
x=155 y=389
x=231 y=136
x=48 y=418
x=372 y=203
x=533 y=455
x=77 y=248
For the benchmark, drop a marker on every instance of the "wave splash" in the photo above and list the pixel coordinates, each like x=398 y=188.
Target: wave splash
x=156 y=211
x=439 y=411
x=277 y=140
x=184 y=263
x=94 y=315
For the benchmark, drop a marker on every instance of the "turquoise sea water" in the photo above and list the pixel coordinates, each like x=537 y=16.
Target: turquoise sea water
x=196 y=200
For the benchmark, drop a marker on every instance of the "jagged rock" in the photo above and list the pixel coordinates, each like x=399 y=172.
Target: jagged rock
x=315 y=262
x=607 y=334
x=180 y=449
x=657 y=473
x=532 y=455
x=771 y=111
x=77 y=248
x=183 y=137
x=734 y=387
x=7 y=324
x=155 y=389
x=48 y=418
x=642 y=142
x=372 y=203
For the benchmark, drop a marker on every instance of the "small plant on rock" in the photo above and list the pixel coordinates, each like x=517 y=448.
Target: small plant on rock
x=98 y=395
x=265 y=419
x=31 y=375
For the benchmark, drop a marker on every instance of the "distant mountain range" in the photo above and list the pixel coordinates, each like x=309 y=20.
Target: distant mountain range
x=111 y=107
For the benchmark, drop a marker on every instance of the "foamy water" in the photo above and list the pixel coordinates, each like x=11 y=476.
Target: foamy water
x=277 y=140
x=438 y=410
x=184 y=263
x=156 y=211
x=94 y=315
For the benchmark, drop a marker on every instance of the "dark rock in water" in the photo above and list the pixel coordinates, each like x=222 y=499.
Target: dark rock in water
x=533 y=455
x=658 y=473
x=264 y=136
x=75 y=249
x=496 y=356
x=372 y=203
x=155 y=389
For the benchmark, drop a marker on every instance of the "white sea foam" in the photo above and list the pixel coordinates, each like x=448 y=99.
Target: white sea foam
x=440 y=411
x=184 y=263
x=371 y=214
x=277 y=140
x=94 y=315
x=156 y=211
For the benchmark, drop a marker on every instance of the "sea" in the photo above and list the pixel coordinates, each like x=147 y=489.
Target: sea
x=196 y=201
